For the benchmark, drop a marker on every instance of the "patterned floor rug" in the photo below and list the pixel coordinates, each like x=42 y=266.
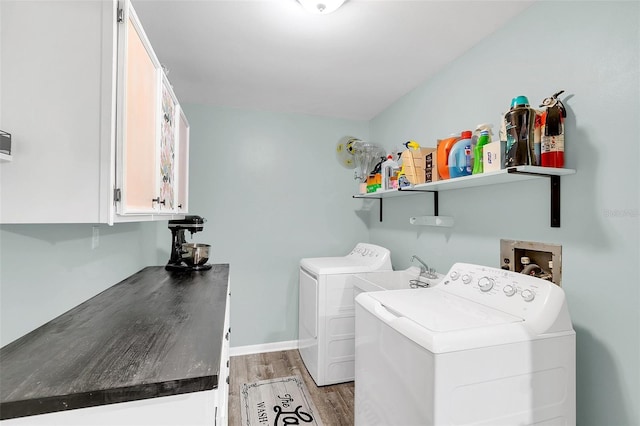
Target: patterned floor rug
x=277 y=402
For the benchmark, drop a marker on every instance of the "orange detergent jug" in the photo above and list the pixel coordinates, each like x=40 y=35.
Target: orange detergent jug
x=444 y=147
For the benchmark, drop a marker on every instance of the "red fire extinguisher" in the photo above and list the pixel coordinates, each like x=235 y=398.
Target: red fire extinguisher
x=552 y=132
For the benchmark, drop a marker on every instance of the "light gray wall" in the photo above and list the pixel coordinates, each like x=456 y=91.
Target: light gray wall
x=273 y=192
x=45 y=270
x=589 y=49
x=264 y=218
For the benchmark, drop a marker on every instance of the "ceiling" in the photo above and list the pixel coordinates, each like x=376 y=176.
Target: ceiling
x=272 y=55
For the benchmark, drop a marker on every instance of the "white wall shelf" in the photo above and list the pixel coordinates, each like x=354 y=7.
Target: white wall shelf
x=509 y=175
x=444 y=221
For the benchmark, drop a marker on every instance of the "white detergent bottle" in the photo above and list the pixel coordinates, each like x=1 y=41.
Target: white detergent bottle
x=387 y=170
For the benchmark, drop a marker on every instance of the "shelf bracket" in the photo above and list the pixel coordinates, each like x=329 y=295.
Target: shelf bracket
x=435 y=197
x=372 y=198
x=435 y=203
x=554 y=194
x=555 y=201
x=407 y=189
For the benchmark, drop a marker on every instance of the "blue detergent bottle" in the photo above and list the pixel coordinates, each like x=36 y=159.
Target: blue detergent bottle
x=460 y=156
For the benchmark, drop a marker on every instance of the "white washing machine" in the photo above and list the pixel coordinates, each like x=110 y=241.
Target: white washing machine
x=484 y=347
x=326 y=311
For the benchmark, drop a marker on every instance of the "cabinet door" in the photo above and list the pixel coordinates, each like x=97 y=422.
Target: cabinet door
x=167 y=149
x=222 y=401
x=57 y=100
x=139 y=121
x=183 y=163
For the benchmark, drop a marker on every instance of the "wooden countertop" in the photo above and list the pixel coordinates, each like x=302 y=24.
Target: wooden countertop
x=156 y=333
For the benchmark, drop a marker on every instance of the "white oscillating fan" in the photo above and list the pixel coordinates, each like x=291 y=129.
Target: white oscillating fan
x=344 y=152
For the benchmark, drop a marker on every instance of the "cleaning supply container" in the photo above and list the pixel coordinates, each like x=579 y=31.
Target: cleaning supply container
x=520 y=127
x=388 y=170
x=478 y=152
x=442 y=156
x=460 y=156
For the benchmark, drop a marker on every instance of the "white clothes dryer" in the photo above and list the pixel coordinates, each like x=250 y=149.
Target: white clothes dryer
x=326 y=313
x=484 y=347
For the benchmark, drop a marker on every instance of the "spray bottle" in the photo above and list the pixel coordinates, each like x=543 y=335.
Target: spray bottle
x=478 y=151
x=476 y=134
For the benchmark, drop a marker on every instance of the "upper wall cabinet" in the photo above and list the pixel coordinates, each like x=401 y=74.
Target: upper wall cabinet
x=182 y=195
x=150 y=141
x=99 y=135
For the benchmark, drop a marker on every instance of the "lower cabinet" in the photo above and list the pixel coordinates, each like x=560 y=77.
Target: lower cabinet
x=222 y=403
x=206 y=408
x=202 y=323
x=196 y=408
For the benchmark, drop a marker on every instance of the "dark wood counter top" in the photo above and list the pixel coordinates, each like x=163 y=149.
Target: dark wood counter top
x=156 y=333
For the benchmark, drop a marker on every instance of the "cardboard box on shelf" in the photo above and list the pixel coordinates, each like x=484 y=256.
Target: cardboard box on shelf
x=431 y=166
x=415 y=164
x=374 y=182
x=492 y=156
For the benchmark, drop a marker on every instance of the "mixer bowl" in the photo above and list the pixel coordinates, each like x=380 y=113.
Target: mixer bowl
x=195 y=254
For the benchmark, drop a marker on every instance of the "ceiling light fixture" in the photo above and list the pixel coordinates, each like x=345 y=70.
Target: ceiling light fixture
x=321 y=7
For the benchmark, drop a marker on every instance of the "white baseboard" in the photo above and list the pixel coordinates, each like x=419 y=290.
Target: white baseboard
x=265 y=347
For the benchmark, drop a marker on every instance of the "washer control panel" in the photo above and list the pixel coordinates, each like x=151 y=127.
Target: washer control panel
x=367 y=250
x=371 y=254
x=517 y=294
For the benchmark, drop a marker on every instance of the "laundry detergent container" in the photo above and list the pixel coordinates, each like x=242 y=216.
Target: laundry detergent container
x=460 y=159
x=444 y=148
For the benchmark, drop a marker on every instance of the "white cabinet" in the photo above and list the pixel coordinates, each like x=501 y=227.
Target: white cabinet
x=166 y=199
x=193 y=409
x=81 y=92
x=222 y=396
x=173 y=179
x=138 y=124
x=182 y=182
x=150 y=136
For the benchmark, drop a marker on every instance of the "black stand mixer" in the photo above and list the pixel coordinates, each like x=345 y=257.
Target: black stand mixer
x=187 y=256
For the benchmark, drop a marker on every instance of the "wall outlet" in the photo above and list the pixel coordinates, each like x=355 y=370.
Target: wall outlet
x=548 y=258
x=95 y=238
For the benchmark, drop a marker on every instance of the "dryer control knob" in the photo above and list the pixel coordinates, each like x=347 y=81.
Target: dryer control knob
x=466 y=279
x=485 y=283
x=455 y=275
x=509 y=290
x=528 y=295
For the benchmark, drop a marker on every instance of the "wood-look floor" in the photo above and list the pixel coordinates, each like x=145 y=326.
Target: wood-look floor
x=334 y=402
